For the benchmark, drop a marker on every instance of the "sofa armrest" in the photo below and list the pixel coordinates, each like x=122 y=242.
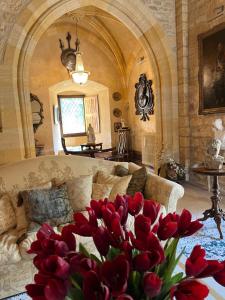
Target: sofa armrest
x=163 y=191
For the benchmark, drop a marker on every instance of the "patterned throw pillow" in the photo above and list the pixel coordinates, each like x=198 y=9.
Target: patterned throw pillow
x=120 y=184
x=17 y=201
x=48 y=205
x=79 y=191
x=7 y=214
x=101 y=191
x=138 y=180
x=137 y=183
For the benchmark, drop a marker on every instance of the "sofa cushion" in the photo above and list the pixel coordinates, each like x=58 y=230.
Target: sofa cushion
x=121 y=171
x=7 y=214
x=48 y=205
x=79 y=191
x=9 y=251
x=120 y=184
x=21 y=219
x=101 y=190
x=138 y=180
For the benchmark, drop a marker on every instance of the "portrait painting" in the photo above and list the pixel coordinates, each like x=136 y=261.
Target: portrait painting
x=212 y=71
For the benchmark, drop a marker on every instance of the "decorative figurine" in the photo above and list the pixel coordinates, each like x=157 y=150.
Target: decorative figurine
x=213 y=160
x=90 y=135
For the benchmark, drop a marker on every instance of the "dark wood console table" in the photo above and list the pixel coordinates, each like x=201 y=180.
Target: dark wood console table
x=215 y=211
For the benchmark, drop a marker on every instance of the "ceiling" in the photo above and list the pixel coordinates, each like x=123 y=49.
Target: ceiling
x=116 y=35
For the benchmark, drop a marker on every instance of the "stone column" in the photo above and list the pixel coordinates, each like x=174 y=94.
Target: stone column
x=183 y=96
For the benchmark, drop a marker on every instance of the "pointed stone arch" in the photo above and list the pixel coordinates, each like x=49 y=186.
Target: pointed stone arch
x=34 y=20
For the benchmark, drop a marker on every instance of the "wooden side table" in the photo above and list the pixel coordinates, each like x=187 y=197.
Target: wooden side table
x=215 y=211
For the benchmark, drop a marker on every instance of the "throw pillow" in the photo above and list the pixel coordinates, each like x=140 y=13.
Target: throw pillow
x=137 y=182
x=120 y=184
x=101 y=190
x=121 y=171
x=48 y=205
x=79 y=191
x=7 y=214
x=17 y=201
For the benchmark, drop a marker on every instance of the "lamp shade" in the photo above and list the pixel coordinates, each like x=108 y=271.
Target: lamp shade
x=79 y=75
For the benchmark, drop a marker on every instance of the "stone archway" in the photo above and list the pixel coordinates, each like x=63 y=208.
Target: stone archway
x=39 y=15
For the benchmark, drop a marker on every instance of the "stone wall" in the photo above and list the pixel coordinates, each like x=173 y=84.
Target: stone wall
x=151 y=22
x=202 y=17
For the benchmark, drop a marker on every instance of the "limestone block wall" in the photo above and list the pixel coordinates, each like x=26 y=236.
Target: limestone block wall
x=202 y=17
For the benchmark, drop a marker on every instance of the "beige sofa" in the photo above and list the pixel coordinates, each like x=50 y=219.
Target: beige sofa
x=16 y=268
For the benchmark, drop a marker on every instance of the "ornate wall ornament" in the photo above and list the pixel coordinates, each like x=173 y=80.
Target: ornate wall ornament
x=144 y=98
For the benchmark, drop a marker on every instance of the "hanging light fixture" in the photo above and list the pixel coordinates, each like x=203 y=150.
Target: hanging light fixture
x=72 y=60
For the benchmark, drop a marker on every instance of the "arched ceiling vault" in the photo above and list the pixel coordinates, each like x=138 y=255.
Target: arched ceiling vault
x=106 y=27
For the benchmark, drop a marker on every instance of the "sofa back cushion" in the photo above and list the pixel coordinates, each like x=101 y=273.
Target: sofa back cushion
x=33 y=172
x=7 y=214
x=120 y=184
x=79 y=191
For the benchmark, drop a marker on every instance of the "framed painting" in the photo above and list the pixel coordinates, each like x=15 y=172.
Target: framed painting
x=212 y=70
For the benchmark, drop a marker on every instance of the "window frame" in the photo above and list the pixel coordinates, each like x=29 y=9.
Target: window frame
x=60 y=116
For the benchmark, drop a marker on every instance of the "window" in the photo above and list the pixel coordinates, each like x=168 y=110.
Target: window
x=76 y=112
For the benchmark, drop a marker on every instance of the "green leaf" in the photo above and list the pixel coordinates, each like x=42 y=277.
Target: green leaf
x=113 y=252
x=75 y=293
x=83 y=250
x=94 y=257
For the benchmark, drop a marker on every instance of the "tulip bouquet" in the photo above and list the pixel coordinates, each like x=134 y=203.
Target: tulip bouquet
x=133 y=263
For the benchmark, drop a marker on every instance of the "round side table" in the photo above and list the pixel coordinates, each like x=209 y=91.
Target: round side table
x=215 y=211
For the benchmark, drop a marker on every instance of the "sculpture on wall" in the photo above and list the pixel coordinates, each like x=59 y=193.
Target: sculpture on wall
x=144 y=98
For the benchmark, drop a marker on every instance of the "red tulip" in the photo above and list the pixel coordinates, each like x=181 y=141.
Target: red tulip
x=152 y=284
x=68 y=236
x=52 y=289
x=115 y=274
x=121 y=206
x=56 y=266
x=55 y=290
x=108 y=211
x=135 y=203
x=212 y=268
x=97 y=207
x=93 y=289
x=196 y=263
x=82 y=225
x=186 y=227
x=151 y=209
x=45 y=232
x=220 y=276
x=146 y=260
x=166 y=230
x=101 y=240
x=189 y=289
x=142 y=226
x=124 y=297
x=153 y=245
x=81 y=264
x=36 y=291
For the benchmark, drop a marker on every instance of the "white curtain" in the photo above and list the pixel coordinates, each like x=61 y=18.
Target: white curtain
x=92 y=112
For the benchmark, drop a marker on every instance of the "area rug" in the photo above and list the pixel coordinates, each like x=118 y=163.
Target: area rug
x=208 y=238
x=21 y=296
